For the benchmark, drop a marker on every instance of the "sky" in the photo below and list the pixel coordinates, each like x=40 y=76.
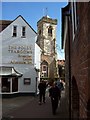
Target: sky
x=32 y=12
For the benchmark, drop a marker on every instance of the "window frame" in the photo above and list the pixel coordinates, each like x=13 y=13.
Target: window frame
x=23 y=32
x=14 y=31
x=44 y=67
x=25 y=81
x=45 y=72
x=50 y=31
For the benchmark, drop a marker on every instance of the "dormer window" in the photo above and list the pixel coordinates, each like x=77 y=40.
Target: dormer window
x=23 y=31
x=14 y=31
x=50 y=31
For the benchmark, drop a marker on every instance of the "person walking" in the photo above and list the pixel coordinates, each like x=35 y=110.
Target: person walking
x=54 y=94
x=42 y=91
x=60 y=85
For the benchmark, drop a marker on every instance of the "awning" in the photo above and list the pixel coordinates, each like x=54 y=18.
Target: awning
x=6 y=71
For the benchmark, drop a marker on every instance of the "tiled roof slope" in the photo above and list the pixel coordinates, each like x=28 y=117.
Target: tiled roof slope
x=4 y=24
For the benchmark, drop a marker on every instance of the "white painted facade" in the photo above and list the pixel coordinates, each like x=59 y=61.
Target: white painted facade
x=22 y=53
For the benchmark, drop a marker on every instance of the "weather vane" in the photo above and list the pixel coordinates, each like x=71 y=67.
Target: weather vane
x=45 y=11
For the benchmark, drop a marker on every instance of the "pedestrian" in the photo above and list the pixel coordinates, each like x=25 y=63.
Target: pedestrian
x=60 y=85
x=54 y=94
x=42 y=91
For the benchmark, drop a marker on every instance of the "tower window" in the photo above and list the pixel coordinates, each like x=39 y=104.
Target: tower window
x=39 y=32
x=14 y=31
x=44 y=68
x=50 y=31
x=23 y=31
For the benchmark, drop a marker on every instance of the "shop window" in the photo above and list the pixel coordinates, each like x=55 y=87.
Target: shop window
x=27 y=81
x=14 y=31
x=23 y=31
x=5 y=85
x=14 y=84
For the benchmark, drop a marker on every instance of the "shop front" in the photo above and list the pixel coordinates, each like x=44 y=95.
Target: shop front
x=9 y=80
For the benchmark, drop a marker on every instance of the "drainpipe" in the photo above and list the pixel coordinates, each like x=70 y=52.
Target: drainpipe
x=68 y=15
x=69 y=53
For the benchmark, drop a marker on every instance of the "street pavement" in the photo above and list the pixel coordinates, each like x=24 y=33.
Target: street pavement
x=28 y=107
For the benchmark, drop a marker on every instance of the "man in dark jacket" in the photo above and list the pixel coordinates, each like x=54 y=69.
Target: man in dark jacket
x=54 y=93
x=42 y=90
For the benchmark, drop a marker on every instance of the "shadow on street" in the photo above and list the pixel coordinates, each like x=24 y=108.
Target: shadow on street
x=28 y=107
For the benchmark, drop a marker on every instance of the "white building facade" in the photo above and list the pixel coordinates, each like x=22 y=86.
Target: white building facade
x=20 y=58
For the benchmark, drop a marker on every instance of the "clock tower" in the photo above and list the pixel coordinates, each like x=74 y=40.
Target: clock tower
x=46 y=30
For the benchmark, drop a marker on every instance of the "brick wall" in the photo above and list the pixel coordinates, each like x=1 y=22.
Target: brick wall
x=80 y=57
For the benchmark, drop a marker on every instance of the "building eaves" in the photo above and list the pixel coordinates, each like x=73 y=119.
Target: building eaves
x=5 y=23
x=9 y=71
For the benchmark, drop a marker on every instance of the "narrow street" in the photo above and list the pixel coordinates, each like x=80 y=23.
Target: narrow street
x=28 y=107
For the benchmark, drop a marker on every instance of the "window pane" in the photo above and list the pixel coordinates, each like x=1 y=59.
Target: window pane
x=50 y=31
x=27 y=81
x=14 y=31
x=44 y=68
x=23 y=31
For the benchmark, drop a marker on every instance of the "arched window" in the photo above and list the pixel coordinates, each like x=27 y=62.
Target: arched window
x=50 y=31
x=44 y=69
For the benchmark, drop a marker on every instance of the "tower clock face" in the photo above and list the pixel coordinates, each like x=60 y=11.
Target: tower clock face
x=47 y=42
